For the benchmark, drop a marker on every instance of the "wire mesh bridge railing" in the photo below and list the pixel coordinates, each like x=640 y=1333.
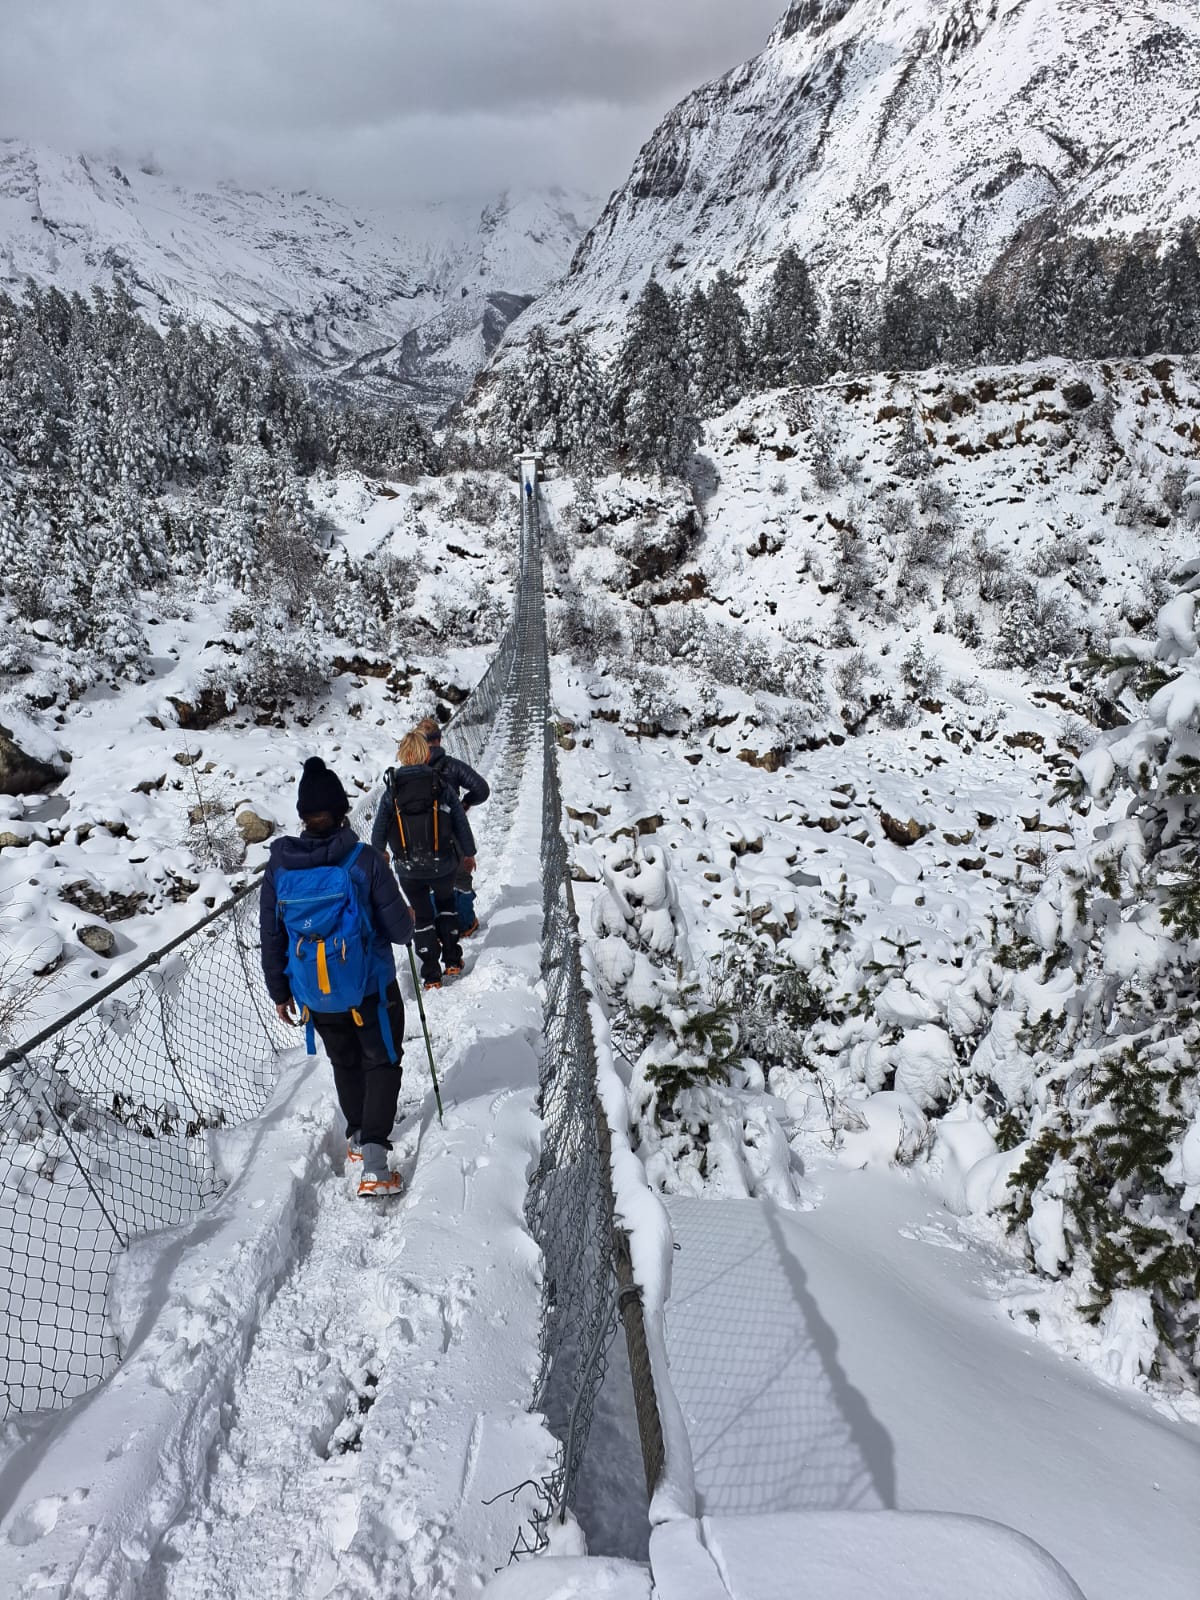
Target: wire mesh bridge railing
x=105 y=1117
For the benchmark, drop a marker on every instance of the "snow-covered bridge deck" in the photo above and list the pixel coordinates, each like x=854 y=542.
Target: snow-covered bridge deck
x=319 y=1394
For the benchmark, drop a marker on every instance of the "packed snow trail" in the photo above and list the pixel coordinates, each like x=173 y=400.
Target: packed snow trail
x=332 y=1400
x=362 y=1440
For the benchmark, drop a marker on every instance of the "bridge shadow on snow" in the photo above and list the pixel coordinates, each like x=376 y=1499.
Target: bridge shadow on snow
x=775 y=1423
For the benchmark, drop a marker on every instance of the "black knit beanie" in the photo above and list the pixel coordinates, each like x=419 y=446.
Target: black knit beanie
x=321 y=790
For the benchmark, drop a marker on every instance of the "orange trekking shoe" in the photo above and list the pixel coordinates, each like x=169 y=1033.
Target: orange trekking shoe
x=374 y=1185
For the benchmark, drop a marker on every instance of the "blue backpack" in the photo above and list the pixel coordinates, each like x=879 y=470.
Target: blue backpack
x=332 y=962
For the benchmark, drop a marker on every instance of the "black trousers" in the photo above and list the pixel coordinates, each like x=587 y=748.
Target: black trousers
x=367 y=1083
x=436 y=913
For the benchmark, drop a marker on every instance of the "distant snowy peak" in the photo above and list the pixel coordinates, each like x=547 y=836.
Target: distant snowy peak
x=884 y=136
x=407 y=306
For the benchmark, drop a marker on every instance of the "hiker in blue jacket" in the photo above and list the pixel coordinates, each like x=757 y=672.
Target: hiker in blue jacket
x=472 y=789
x=363 y=1040
x=425 y=830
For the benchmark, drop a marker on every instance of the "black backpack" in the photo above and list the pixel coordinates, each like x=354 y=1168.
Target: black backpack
x=422 y=842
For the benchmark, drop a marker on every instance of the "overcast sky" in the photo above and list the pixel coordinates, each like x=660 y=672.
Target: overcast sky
x=372 y=101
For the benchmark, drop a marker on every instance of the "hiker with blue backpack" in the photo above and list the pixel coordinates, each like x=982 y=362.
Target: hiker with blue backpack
x=425 y=830
x=329 y=914
x=472 y=789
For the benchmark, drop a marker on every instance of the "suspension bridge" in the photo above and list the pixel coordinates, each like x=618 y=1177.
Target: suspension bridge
x=221 y=1375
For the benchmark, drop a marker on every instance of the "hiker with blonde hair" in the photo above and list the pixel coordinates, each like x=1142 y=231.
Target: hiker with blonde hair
x=472 y=789
x=425 y=830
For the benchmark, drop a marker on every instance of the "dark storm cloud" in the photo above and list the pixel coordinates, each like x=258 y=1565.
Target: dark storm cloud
x=373 y=99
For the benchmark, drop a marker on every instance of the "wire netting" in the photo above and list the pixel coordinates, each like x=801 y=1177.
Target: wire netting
x=569 y=1206
x=104 y=1135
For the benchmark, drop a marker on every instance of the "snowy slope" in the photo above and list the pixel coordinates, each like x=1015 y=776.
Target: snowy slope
x=415 y=300
x=883 y=136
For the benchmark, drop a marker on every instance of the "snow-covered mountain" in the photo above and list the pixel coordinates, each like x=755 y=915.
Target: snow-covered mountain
x=940 y=137
x=409 y=304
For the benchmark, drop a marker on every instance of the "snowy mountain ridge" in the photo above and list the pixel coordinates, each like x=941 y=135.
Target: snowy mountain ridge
x=943 y=138
x=409 y=304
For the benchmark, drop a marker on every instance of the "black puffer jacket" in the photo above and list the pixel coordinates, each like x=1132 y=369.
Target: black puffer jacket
x=471 y=788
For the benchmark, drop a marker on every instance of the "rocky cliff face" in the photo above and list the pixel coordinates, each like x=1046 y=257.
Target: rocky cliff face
x=939 y=137
x=405 y=306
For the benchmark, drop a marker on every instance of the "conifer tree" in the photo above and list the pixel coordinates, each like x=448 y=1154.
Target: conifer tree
x=913 y=457
x=1128 y=311
x=787 y=330
x=1176 y=310
x=851 y=335
x=581 y=405
x=903 y=337
x=113 y=623
x=722 y=366
x=651 y=413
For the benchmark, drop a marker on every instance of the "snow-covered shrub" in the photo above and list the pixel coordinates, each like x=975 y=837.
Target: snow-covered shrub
x=1100 y=1037
x=826 y=467
x=681 y=634
x=1172 y=488
x=1072 y=556
x=688 y=1042
x=652 y=699
x=920 y=671
x=1037 y=627
x=1136 y=507
x=284 y=663
x=995 y=572
x=856 y=576
x=592 y=628
x=936 y=505
x=479 y=500
x=15 y=654
x=852 y=677
x=896 y=516
x=474 y=614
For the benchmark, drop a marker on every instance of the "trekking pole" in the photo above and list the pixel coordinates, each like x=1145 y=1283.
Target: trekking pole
x=412 y=961
x=425 y=1030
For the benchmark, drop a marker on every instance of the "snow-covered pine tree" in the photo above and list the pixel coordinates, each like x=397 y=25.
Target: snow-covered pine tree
x=723 y=365
x=786 y=339
x=1177 y=298
x=912 y=457
x=693 y=314
x=1105 y=1073
x=1085 y=286
x=1128 y=311
x=114 y=625
x=529 y=396
x=851 y=332
x=582 y=405
x=651 y=414
x=903 y=335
